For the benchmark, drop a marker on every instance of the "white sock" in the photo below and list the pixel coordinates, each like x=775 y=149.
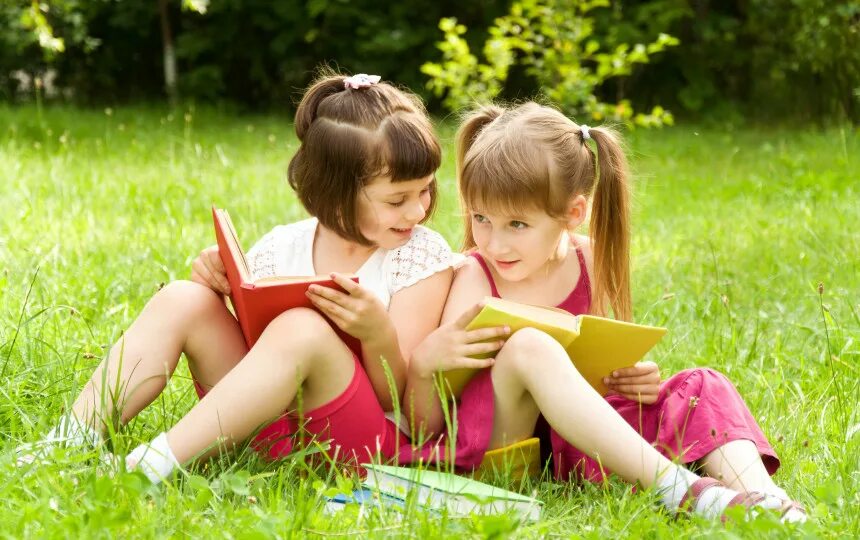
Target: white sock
x=713 y=501
x=673 y=485
x=69 y=432
x=156 y=460
x=72 y=432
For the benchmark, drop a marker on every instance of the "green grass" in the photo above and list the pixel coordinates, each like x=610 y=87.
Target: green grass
x=734 y=230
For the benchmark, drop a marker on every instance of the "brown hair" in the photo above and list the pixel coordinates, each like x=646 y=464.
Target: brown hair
x=350 y=136
x=533 y=157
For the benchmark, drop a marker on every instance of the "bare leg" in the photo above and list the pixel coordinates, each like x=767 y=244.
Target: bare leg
x=533 y=373
x=183 y=316
x=298 y=349
x=738 y=464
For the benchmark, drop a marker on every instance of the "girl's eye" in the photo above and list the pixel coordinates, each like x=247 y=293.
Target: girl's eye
x=425 y=190
x=518 y=225
x=398 y=203
x=479 y=218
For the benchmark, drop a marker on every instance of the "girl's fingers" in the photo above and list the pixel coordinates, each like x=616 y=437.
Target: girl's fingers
x=473 y=349
x=634 y=388
x=483 y=334
x=214 y=262
x=637 y=370
x=329 y=294
x=350 y=286
x=465 y=362
x=214 y=282
x=632 y=371
x=651 y=378
x=215 y=276
x=332 y=309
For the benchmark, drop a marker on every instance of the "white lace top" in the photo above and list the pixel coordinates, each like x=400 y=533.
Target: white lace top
x=288 y=251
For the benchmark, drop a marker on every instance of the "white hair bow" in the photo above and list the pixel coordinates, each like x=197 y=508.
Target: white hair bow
x=360 y=80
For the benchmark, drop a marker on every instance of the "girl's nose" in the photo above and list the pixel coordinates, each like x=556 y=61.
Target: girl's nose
x=496 y=246
x=416 y=212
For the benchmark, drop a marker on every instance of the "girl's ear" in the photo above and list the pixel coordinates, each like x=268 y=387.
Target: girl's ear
x=577 y=210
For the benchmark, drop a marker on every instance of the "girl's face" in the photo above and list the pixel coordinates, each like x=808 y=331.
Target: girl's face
x=388 y=211
x=520 y=246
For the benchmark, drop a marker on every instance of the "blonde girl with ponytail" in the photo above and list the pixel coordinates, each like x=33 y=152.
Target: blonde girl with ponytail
x=528 y=179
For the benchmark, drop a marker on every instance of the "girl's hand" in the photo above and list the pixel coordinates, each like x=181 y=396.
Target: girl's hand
x=640 y=382
x=208 y=269
x=358 y=312
x=450 y=346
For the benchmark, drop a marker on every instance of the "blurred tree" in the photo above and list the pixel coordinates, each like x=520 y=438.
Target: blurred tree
x=555 y=41
x=29 y=41
x=169 y=51
x=764 y=58
x=760 y=58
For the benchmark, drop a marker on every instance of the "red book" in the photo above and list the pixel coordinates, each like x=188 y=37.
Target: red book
x=257 y=302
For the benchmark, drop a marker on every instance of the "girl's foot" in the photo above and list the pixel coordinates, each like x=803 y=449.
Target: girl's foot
x=155 y=459
x=68 y=433
x=711 y=498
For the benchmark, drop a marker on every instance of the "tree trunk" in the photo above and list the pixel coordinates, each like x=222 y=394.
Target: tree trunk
x=169 y=53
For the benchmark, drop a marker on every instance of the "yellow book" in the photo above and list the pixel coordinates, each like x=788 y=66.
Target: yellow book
x=596 y=345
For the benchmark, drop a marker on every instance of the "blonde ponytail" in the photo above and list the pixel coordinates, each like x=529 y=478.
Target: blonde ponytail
x=610 y=227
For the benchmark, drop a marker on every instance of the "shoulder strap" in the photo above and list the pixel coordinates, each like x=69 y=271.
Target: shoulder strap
x=486 y=269
x=582 y=267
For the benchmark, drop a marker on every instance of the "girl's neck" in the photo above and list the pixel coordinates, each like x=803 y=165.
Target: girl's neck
x=333 y=253
x=548 y=285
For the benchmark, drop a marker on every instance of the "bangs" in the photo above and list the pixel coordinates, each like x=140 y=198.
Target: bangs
x=408 y=149
x=509 y=181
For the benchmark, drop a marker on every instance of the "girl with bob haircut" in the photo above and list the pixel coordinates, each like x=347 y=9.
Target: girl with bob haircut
x=527 y=176
x=365 y=171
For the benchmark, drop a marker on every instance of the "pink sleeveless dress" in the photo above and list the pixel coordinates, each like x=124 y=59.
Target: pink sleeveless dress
x=697 y=411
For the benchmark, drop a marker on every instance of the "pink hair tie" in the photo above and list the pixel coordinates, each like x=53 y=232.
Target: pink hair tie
x=361 y=80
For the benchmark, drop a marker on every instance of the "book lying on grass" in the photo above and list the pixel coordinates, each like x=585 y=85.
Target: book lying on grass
x=257 y=302
x=361 y=497
x=458 y=495
x=596 y=345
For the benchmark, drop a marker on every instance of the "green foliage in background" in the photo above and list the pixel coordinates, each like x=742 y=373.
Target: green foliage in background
x=737 y=59
x=768 y=59
x=554 y=41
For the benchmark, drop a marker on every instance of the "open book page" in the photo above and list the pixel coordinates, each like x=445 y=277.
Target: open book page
x=225 y=233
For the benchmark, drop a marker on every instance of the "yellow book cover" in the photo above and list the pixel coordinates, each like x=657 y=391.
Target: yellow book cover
x=596 y=345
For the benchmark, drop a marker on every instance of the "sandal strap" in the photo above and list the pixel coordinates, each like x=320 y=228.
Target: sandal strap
x=695 y=490
x=748 y=499
x=791 y=505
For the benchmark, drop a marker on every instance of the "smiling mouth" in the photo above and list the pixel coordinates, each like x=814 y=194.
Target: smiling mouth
x=402 y=231
x=506 y=263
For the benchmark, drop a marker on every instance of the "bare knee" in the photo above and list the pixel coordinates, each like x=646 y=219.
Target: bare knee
x=302 y=328
x=187 y=298
x=303 y=342
x=529 y=349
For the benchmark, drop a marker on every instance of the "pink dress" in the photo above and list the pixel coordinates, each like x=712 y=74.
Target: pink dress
x=697 y=411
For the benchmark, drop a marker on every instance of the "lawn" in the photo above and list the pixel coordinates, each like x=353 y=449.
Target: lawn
x=745 y=245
